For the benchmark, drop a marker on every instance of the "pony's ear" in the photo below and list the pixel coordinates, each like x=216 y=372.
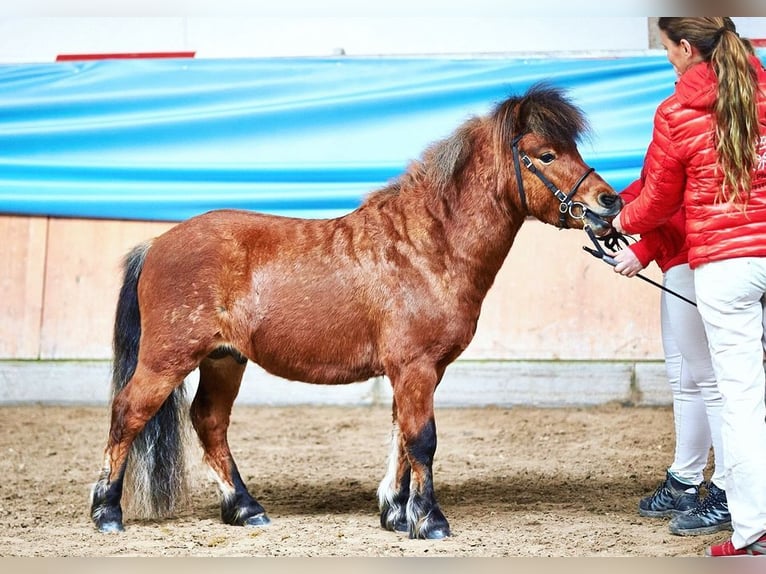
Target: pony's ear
x=446 y=159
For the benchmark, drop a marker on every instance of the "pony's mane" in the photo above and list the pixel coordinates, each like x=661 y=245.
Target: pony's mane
x=440 y=163
x=444 y=160
x=544 y=110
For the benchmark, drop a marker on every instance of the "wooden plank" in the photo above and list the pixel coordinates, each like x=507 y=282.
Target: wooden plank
x=22 y=265
x=83 y=274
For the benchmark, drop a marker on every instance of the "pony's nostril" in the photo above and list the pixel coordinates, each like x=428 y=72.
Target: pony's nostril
x=609 y=200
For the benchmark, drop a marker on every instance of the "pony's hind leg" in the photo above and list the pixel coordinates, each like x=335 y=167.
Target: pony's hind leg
x=132 y=408
x=394 y=489
x=220 y=378
x=413 y=392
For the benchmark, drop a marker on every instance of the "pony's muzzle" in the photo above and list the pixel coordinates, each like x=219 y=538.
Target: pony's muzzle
x=599 y=221
x=610 y=201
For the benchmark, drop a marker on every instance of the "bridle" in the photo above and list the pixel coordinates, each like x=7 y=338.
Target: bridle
x=614 y=240
x=575 y=209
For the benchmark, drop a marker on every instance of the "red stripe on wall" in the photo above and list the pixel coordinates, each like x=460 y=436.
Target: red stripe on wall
x=123 y=56
x=758 y=42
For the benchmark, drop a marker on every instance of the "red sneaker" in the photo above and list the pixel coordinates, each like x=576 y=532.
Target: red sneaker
x=757 y=548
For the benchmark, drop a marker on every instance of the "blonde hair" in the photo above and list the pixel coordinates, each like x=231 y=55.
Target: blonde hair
x=735 y=108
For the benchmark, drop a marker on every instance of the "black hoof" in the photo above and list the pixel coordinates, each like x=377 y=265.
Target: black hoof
x=107 y=518
x=434 y=526
x=110 y=527
x=394 y=518
x=247 y=513
x=258 y=520
x=401 y=526
x=436 y=533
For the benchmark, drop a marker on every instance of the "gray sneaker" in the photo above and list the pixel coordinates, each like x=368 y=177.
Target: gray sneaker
x=709 y=516
x=672 y=497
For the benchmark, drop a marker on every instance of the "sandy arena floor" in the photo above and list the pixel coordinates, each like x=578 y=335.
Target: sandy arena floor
x=512 y=482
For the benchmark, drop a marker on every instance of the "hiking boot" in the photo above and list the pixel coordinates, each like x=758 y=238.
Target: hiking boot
x=757 y=548
x=671 y=497
x=710 y=515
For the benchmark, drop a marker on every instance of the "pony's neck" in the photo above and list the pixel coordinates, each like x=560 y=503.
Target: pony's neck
x=482 y=227
x=469 y=229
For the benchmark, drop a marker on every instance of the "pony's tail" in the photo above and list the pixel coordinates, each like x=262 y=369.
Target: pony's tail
x=155 y=476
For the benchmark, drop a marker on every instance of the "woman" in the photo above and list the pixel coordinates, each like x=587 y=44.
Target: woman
x=708 y=153
x=696 y=401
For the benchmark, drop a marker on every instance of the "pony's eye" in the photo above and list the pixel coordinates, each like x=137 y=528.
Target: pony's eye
x=547 y=158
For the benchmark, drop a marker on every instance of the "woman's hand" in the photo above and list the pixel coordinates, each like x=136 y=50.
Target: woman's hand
x=627 y=263
x=617 y=224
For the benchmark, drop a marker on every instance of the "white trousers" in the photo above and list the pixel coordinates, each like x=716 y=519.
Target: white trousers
x=697 y=403
x=731 y=295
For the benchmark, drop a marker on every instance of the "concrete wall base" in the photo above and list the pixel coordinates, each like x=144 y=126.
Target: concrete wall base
x=466 y=383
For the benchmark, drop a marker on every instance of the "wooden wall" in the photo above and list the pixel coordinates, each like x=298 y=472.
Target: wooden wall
x=59 y=279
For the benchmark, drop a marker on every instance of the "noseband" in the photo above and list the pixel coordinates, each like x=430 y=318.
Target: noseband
x=575 y=209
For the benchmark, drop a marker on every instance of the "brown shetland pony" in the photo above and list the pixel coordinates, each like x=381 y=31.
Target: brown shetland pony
x=393 y=288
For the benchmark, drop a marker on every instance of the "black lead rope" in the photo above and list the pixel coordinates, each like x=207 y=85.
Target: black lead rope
x=615 y=241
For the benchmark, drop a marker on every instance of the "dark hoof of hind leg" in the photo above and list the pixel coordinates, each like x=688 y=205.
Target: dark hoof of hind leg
x=106 y=517
x=109 y=527
x=258 y=520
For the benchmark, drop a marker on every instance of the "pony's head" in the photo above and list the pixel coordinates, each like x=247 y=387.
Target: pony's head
x=537 y=134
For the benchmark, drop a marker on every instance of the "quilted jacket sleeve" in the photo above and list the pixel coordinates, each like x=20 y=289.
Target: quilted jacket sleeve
x=659 y=244
x=662 y=193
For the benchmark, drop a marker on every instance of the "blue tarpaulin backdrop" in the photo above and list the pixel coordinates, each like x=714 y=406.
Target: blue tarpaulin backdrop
x=168 y=139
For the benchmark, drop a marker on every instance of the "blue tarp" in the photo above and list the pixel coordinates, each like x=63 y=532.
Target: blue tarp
x=167 y=139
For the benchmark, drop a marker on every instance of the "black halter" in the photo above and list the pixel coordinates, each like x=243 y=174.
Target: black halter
x=575 y=209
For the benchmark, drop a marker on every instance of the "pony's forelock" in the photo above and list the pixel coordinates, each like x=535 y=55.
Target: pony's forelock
x=545 y=110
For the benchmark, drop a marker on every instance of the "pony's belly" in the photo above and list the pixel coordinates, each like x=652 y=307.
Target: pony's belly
x=318 y=373
x=316 y=358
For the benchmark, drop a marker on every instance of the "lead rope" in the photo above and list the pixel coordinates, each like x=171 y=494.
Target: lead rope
x=615 y=241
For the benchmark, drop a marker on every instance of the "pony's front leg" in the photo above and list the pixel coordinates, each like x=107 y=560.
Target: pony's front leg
x=220 y=378
x=413 y=393
x=394 y=489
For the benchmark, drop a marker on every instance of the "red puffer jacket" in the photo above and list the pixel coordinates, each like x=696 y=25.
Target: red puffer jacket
x=680 y=168
x=665 y=244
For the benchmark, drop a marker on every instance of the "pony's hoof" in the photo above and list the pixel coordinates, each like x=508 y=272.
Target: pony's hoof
x=258 y=520
x=401 y=526
x=433 y=533
x=394 y=519
x=106 y=517
x=437 y=533
x=432 y=527
x=110 y=527
x=249 y=513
